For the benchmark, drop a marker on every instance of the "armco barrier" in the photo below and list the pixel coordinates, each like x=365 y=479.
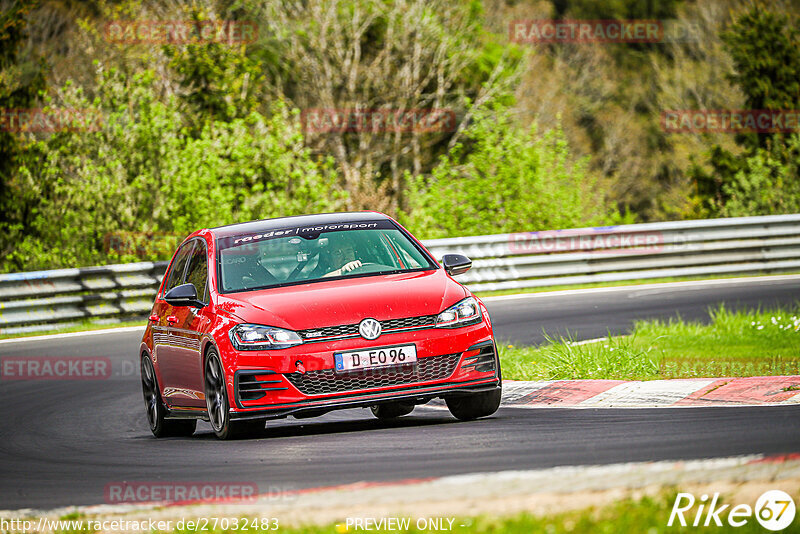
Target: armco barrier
x=629 y=252
x=44 y=299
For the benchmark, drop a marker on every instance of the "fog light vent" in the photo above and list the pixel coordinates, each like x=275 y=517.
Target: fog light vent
x=482 y=360
x=254 y=385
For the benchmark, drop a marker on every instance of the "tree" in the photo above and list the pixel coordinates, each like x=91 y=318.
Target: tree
x=765 y=48
x=22 y=82
x=765 y=183
x=218 y=80
x=388 y=56
x=145 y=170
x=509 y=180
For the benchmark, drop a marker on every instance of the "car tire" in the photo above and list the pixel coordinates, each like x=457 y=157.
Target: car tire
x=391 y=410
x=218 y=406
x=157 y=411
x=469 y=407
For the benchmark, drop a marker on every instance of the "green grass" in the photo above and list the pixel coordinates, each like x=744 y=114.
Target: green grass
x=752 y=343
x=79 y=327
x=623 y=283
x=648 y=515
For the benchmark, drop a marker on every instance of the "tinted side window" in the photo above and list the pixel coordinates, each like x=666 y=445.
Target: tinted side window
x=176 y=271
x=198 y=270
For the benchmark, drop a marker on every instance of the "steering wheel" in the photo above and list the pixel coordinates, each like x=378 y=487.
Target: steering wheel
x=365 y=264
x=356 y=269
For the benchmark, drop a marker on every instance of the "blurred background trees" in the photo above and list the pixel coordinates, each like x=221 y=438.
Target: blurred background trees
x=761 y=176
x=544 y=136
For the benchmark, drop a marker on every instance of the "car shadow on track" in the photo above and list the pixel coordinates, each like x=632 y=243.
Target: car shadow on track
x=310 y=428
x=340 y=423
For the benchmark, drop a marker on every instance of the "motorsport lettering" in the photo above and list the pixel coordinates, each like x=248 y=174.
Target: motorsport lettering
x=298 y=231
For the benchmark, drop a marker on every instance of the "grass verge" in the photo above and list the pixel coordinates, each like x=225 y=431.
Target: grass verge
x=734 y=344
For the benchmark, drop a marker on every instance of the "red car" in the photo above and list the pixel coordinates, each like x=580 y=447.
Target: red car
x=303 y=315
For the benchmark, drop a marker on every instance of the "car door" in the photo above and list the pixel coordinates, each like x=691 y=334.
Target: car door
x=166 y=349
x=187 y=330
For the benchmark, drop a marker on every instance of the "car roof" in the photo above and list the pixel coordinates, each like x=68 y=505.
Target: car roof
x=253 y=227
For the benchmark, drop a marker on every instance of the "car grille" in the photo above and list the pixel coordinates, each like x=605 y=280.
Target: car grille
x=408 y=322
x=350 y=330
x=327 y=381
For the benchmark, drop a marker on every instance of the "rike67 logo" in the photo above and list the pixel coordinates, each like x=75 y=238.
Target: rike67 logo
x=774 y=510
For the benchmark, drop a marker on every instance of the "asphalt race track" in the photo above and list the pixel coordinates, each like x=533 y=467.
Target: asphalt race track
x=62 y=442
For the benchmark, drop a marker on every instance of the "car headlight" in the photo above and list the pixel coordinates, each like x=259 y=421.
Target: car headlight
x=260 y=337
x=464 y=313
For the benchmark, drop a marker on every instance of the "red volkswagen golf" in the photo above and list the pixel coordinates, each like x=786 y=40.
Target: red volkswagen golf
x=303 y=315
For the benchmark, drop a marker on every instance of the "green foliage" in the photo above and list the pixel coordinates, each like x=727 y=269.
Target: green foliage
x=767 y=182
x=504 y=179
x=22 y=80
x=628 y=54
x=219 y=80
x=144 y=171
x=212 y=139
x=616 y=9
x=386 y=55
x=765 y=48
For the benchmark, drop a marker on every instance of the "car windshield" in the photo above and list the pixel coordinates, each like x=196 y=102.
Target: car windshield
x=295 y=255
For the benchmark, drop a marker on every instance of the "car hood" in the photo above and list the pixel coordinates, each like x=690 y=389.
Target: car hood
x=346 y=301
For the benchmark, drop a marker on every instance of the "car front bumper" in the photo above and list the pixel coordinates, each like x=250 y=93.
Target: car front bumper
x=268 y=393
x=417 y=394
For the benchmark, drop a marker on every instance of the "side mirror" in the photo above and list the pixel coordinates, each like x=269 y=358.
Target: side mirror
x=455 y=264
x=183 y=295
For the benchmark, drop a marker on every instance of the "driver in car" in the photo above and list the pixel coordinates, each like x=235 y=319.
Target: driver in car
x=343 y=253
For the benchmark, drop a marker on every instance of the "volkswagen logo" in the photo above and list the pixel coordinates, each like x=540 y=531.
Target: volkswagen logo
x=369 y=328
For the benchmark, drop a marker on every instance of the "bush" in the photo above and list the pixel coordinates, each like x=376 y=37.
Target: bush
x=767 y=183
x=504 y=179
x=144 y=171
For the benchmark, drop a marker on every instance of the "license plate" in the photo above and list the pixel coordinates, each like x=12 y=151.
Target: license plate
x=375 y=357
